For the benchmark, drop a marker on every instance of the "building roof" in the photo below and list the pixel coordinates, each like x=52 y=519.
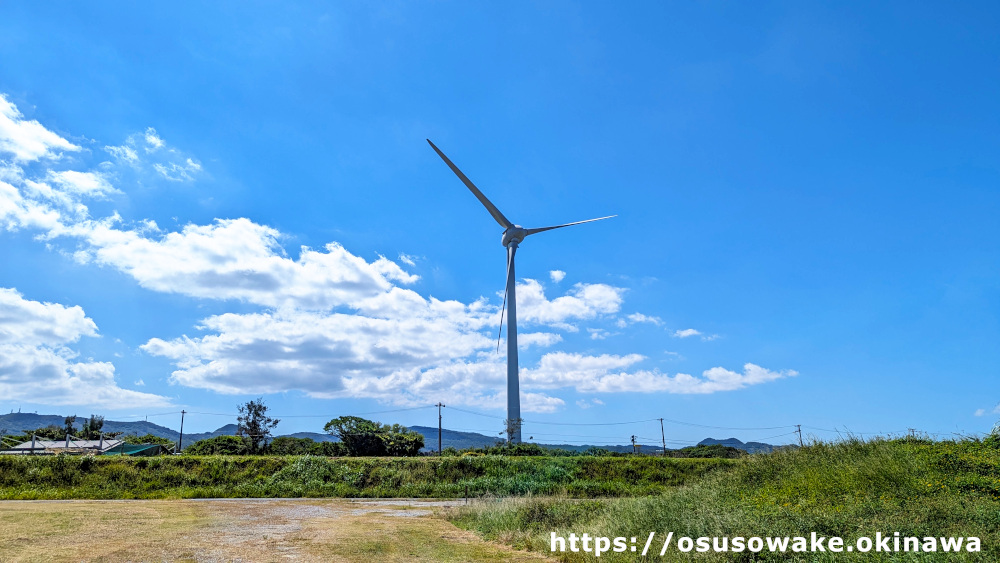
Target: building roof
x=96 y=445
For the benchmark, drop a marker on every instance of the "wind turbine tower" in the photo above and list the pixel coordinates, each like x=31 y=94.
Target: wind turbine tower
x=513 y=235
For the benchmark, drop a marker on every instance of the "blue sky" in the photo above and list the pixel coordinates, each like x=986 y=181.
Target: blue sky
x=200 y=205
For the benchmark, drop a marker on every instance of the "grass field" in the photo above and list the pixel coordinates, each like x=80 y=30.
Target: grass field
x=849 y=489
x=106 y=477
x=237 y=530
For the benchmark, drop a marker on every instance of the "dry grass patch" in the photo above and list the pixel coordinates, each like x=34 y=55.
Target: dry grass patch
x=237 y=530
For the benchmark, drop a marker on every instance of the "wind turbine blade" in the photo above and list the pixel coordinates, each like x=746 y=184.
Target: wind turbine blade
x=475 y=191
x=504 y=308
x=533 y=231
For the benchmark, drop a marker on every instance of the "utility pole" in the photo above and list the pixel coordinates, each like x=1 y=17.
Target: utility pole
x=633 y=444
x=913 y=432
x=439 y=405
x=180 y=441
x=664 y=437
x=798 y=428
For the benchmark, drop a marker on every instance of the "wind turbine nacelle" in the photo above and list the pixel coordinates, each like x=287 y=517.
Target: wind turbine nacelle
x=514 y=234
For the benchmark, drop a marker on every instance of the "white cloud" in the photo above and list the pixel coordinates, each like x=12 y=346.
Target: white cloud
x=635 y=318
x=407 y=259
x=557 y=275
x=123 y=153
x=598 y=333
x=543 y=339
x=584 y=404
x=689 y=332
x=82 y=183
x=178 y=172
x=167 y=162
x=686 y=333
x=984 y=412
x=37 y=365
x=583 y=301
x=602 y=374
x=239 y=259
x=318 y=353
x=27 y=140
x=640 y=318
x=153 y=141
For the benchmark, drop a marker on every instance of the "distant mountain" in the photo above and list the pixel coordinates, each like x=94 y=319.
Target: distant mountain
x=453 y=438
x=748 y=447
x=15 y=423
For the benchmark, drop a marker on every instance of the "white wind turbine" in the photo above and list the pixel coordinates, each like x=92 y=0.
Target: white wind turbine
x=512 y=237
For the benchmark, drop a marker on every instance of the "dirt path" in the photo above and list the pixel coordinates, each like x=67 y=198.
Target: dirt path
x=239 y=530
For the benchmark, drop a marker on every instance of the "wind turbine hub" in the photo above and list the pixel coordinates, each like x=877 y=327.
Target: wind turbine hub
x=515 y=233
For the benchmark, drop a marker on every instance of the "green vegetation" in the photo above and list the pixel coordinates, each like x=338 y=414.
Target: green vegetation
x=855 y=488
x=287 y=445
x=529 y=449
x=713 y=450
x=364 y=437
x=107 y=477
x=219 y=445
x=148 y=439
x=254 y=425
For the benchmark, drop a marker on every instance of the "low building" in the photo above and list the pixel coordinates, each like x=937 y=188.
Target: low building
x=67 y=446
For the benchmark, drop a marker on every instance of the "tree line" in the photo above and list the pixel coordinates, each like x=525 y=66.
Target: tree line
x=357 y=437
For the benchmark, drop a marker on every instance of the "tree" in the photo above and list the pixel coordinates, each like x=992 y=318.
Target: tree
x=50 y=432
x=219 y=445
x=401 y=441
x=91 y=429
x=68 y=425
x=362 y=437
x=149 y=439
x=254 y=424
x=288 y=445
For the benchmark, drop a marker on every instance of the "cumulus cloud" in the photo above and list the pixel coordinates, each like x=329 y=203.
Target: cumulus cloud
x=27 y=140
x=687 y=332
x=37 y=364
x=598 y=333
x=318 y=353
x=541 y=339
x=638 y=318
x=557 y=275
x=153 y=141
x=582 y=301
x=86 y=184
x=605 y=374
x=239 y=259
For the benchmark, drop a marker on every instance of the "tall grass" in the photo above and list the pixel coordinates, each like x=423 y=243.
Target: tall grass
x=847 y=489
x=38 y=477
